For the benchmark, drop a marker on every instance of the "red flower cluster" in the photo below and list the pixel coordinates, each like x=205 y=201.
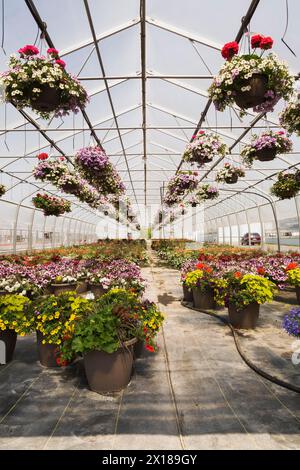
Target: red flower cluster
x=261 y=271
x=237 y=274
x=43 y=156
x=28 y=50
x=263 y=42
x=61 y=63
x=204 y=267
x=229 y=50
x=291 y=266
x=52 y=51
x=61 y=362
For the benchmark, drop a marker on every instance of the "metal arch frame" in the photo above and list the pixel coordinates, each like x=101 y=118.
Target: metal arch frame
x=267 y=198
x=93 y=32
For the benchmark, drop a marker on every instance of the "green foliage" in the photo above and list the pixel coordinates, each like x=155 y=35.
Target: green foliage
x=294 y=277
x=247 y=289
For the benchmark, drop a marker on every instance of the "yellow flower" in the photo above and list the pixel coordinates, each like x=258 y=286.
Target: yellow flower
x=57 y=315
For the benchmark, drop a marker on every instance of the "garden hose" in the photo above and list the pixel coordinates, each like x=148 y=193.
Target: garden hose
x=262 y=373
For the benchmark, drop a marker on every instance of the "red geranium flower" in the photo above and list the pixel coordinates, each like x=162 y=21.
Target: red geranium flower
x=201 y=132
x=261 y=270
x=290 y=266
x=238 y=274
x=150 y=348
x=266 y=43
x=61 y=63
x=43 y=156
x=256 y=40
x=28 y=50
x=230 y=49
x=52 y=51
x=200 y=265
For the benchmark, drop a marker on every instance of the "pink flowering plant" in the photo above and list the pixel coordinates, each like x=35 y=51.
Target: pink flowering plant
x=51 y=205
x=238 y=69
x=181 y=184
x=229 y=172
x=204 y=147
x=206 y=192
x=267 y=140
x=2 y=190
x=30 y=74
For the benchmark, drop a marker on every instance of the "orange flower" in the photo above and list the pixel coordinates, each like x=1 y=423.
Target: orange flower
x=237 y=275
x=261 y=270
x=290 y=266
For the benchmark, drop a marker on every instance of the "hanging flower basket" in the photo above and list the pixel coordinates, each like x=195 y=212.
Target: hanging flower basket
x=287 y=185
x=204 y=148
x=69 y=183
x=290 y=117
x=2 y=190
x=265 y=147
x=42 y=83
x=229 y=174
x=250 y=80
x=51 y=205
x=206 y=192
x=51 y=170
x=182 y=183
x=251 y=92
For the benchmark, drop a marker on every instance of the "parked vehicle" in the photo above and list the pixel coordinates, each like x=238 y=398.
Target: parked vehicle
x=251 y=239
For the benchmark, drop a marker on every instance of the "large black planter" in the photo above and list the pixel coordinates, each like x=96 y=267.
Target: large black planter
x=265 y=155
x=245 y=319
x=203 y=300
x=187 y=294
x=48 y=100
x=108 y=373
x=47 y=352
x=256 y=95
x=9 y=338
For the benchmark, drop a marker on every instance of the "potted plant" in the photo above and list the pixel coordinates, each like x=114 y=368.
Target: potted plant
x=188 y=266
x=51 y=170
x=64 y=283
x=15 y=319
x=289 y=118
x=286 y=186
x=206 y=192
x=42 y=83
x=265 y=147
x=51 y=205
x=201 y=282
x=251 y=80
x=180 y=184
x=151 y=320
x=229 y=174
x=291 y=322
x=244 y=295
x=2 y=190
x=204 y=147
x=293 y=275
x=105 y=339
x=55 y=319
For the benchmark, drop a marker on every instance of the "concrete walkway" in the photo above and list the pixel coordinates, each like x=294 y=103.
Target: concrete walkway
x=196 y=393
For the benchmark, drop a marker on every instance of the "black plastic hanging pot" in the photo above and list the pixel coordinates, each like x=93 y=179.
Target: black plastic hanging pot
x=48 y=100
x=256 y=95
x=266 y=155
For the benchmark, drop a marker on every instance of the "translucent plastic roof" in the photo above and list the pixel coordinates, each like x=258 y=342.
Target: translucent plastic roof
x=158 y=58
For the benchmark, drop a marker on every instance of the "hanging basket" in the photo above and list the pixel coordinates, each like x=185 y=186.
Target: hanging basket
x=48 y=100
x=256 y=95
x=265 y=155
x=232 y=179
x=198 y=157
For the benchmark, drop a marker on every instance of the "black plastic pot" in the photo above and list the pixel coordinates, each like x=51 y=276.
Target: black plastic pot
x=265 y=155
x=97 y=289
x=9 y=338
x=187 y=294
x=232 y=179
x=108 y=373
x=203 y=300
x=297 y=289
x=48 y=100
x=245 y=319
x=138 y=349
x=47 y=352
x=256 y=95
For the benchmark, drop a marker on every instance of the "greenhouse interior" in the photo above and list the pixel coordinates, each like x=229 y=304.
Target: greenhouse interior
x=149 y=227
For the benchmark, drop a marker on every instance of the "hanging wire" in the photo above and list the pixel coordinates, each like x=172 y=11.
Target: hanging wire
x=86 y=61
x=200 y=56
x=3 y=26
x=286 y=28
